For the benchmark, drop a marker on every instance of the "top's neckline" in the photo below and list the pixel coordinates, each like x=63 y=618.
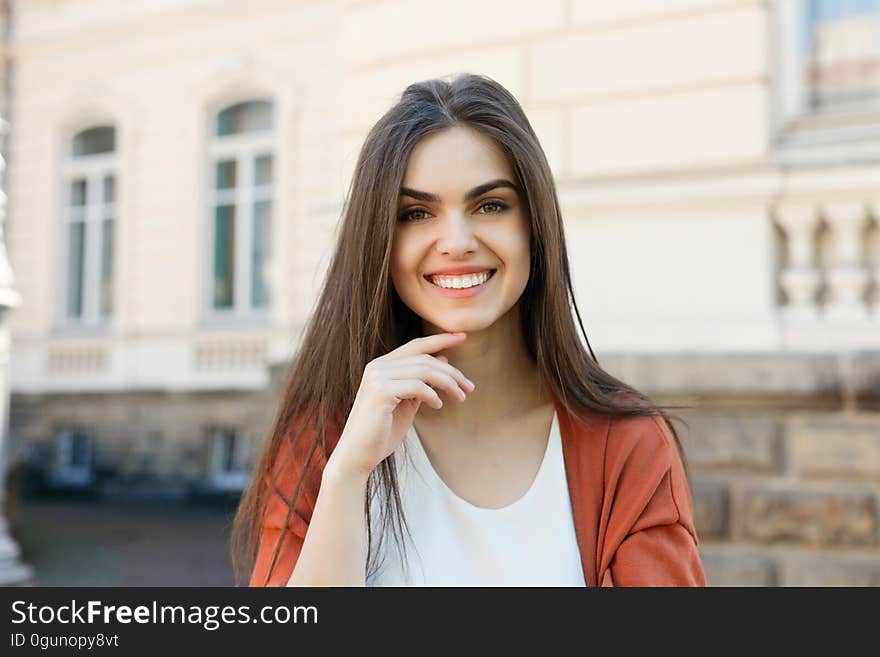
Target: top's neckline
x=552 y=439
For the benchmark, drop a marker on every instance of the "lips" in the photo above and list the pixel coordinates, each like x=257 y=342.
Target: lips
x=463 y=293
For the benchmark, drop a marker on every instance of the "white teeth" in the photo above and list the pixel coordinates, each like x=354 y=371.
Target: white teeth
x=459 y=282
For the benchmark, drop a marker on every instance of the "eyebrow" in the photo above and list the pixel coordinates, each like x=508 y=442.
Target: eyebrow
x=479 y=190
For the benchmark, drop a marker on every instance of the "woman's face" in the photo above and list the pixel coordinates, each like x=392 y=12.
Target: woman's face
x=458 y=209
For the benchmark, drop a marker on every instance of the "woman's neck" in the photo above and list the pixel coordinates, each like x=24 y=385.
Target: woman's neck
x=508 y=383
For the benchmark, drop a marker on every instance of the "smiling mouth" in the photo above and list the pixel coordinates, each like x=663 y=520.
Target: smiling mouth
x=488 y=278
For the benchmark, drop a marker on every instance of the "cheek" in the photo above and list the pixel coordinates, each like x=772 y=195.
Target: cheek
x=520 y=260
x=403 y=265
x=398 y=277
x=516 y=246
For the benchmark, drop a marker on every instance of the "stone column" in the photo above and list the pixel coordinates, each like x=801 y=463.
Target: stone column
x=12 y=570
x=800 y=279
x=848 y=277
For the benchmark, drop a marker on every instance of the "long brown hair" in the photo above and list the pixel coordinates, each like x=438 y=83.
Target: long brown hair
x=359 y=316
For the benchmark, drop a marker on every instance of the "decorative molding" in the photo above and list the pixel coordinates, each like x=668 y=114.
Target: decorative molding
x=230 y=354
x=79 y=359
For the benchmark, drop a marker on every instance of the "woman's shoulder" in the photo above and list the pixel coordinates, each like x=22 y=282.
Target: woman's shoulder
x=613 y=442
x=622 y=435
x=644 y=467
x=641 y=437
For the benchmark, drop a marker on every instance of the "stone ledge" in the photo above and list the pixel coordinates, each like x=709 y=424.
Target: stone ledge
x=799 y=374
x=865 y=378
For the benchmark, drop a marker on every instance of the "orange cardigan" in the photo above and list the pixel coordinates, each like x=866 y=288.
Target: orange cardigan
x=630 y=500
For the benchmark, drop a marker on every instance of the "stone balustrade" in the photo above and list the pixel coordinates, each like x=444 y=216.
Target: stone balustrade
x=831 y=261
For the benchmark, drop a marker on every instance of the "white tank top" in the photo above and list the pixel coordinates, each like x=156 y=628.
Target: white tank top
x=531 y=542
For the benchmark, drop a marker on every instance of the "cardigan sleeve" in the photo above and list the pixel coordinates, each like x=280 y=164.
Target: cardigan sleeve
x=280 y=530
x=650 y=537
x=288 y=540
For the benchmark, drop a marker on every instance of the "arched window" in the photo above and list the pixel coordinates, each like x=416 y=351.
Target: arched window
x=89 y=216
x=241 y=166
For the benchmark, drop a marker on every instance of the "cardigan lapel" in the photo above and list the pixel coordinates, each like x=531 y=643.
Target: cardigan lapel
x=583 y=448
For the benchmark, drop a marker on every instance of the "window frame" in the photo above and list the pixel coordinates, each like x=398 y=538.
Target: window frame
x=218 y=477
x=65 y=473
x=94 y=169
x=243 y=148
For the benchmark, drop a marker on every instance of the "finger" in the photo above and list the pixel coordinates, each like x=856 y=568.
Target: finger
x=413 y=389
x=434 y=377
x=430 y=344
x=441 y=362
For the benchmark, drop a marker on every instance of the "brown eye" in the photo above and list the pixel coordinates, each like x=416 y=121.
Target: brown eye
x=412 y=215
x=493 y=207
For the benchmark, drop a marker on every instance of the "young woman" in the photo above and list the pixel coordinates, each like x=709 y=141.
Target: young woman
x=441 y=396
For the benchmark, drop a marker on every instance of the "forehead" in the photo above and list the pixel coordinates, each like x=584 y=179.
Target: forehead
x=457 y=158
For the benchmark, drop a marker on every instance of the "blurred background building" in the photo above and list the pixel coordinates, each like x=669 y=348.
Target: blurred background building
x=176 y=171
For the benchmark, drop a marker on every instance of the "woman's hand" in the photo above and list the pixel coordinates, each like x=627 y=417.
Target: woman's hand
x=392 y=388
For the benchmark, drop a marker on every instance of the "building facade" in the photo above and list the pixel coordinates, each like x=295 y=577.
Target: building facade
x=177 y=171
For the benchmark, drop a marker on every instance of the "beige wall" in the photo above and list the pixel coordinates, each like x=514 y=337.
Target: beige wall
x=655 y=117
x=332 y=68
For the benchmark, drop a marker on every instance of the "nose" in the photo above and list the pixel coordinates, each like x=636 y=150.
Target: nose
x=456 y=237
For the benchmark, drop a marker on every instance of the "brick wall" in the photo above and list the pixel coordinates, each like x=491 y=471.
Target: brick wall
x=784 y=458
